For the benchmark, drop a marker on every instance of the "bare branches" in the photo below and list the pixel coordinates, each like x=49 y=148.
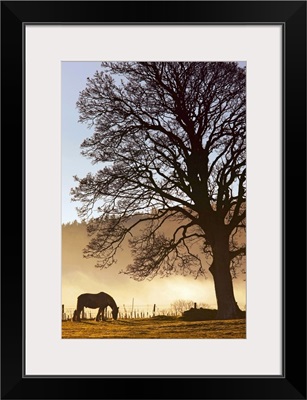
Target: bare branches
x=155 y=254
x=170 y=136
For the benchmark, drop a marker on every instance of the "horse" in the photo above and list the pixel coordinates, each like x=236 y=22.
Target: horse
x=100 y=300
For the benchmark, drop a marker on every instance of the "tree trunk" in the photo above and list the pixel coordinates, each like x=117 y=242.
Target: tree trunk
x=227 y=307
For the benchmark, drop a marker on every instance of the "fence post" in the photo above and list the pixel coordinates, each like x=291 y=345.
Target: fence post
x=194 y=305
x=154 y=310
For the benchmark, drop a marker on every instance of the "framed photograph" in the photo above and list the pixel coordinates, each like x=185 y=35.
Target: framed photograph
x=163 y=160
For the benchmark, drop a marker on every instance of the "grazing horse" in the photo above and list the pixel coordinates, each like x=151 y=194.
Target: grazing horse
x=100 y=300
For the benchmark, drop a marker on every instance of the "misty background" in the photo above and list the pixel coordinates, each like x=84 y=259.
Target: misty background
x=79 y=275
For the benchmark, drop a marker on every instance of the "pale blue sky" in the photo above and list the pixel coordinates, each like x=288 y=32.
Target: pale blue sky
x=74 y=76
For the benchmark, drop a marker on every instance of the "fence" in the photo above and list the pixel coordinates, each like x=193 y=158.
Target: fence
x=125 y=312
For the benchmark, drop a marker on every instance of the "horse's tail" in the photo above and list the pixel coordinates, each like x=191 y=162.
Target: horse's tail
x=78 y=310
x=75 y=316
x=80 y=306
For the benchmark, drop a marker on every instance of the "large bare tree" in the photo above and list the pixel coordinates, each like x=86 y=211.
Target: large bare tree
x=171 y=139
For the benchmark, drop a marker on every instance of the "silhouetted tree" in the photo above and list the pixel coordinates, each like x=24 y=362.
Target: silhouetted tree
x=171 y=139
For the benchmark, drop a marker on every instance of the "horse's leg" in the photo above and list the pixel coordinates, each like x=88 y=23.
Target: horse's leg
x=102 y=314
x=79 y=310
x=98 y=314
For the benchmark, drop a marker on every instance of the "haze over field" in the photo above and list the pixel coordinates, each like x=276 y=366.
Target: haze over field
x=79 y=276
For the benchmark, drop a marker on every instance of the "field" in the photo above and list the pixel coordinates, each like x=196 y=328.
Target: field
x=154 y=328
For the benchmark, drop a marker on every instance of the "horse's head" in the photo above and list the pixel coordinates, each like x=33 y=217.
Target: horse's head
x=115 y=312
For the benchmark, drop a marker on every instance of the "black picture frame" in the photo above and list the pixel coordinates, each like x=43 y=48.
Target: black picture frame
x=292 y=16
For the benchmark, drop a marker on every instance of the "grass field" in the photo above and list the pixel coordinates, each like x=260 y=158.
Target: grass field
x=154 y=328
